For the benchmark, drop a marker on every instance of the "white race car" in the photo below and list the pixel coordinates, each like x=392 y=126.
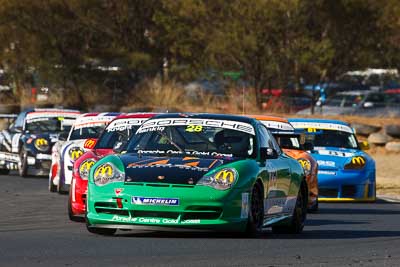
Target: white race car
x=82 y=136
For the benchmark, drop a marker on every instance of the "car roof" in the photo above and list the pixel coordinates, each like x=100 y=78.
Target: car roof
x=318 y=120
x=207 y=116
x=268 y=118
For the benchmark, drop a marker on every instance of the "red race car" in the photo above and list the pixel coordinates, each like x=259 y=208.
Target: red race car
x=112 y=138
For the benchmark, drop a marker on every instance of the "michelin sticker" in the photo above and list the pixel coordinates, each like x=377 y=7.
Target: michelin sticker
x=157 y=201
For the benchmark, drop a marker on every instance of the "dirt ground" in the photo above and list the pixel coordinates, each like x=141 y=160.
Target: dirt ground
x=387 y=173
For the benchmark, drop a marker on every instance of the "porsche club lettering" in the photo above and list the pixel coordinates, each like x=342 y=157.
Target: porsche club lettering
x=123 y=219
x=152 y=125
x=225 y=176
x=358 y=160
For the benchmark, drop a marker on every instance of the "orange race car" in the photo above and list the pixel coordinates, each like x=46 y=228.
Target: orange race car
x=293 y=144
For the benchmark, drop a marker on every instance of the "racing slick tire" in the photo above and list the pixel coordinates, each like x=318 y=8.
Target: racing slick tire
x=256 y=212
x=296 y=224
x=23 y=163
x=100 y=231
x=59 y=189
x=71 y=215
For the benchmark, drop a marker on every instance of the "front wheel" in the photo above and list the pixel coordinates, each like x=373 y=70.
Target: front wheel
x=23 y=163
x=256 y=213
x=296 y=224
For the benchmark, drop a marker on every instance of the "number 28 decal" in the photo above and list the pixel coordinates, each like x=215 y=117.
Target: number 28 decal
x=194 y=128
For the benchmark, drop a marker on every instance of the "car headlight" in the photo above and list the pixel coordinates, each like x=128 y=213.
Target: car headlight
x=107 y=173
x=84 y=168
x=75 y=153
x=41 y=144
x=356 y=163
x=221 y=180
x=306 y=164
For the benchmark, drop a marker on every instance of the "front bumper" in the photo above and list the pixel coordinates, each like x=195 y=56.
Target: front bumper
x=199 y=208
x=78 y=195
x=40 y=164
x=346 y=185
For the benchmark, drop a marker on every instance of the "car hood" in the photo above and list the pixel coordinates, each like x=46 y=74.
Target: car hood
x=51 y=137
x=171 y=170
x=330 y=158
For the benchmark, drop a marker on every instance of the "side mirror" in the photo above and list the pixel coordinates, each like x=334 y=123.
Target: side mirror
x=268 y=153
x=63 y=136
x=364 y=145
x=307 y=146
x=368 y=105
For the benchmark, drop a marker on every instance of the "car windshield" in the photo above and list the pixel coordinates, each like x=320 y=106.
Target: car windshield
x=344 y=100
x=288 y=141
x=48 y=124
x=196 y=139
x=109 y=138
x=332 y=138
x=86 y=132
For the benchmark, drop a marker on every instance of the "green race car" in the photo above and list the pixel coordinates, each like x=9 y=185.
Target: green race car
x=198 y=172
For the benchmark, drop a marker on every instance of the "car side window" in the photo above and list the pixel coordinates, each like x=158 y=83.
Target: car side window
x=267 y=140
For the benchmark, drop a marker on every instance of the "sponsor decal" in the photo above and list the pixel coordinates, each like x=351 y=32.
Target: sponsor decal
x=244 y=213
x=358 y=160
x=90 y=121
x=123 y=219
x=226 y=176
x=305 y=164
x=75 y=153
x=194 y=128
x=277 y=125
x=324 y=152
x=41 y=142
x=104 y=170
x=89 y=143
x=86 y=165
x=118 y=191
x=157 y=201
x=313 y=126
x=124 y=124
x=326 y=163
x=186 y=153
x=326 y=172
x=155 y=124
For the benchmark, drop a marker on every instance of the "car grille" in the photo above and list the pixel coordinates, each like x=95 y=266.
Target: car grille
x=328 y=192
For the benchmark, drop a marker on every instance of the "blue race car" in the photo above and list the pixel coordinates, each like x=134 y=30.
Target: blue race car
x=345 y=172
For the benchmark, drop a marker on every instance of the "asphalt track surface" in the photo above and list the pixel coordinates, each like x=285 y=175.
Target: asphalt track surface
x=35 y=231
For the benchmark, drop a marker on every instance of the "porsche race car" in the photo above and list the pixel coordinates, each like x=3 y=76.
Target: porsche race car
x=26 y=144
x=345 y=171
x=82 y=136
x=294 y=145
x=199 y=172
x=113 y=137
